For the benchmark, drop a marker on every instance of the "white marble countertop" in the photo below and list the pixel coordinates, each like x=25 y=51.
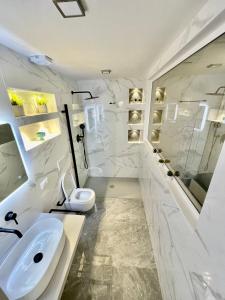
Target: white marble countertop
x=73 y=225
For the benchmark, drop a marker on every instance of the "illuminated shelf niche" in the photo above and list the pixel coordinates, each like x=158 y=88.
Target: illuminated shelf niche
x=135 y=117
x=155 y=136
x=135 y=136
x=38 y=133
x=31 y=103
x=136 y=96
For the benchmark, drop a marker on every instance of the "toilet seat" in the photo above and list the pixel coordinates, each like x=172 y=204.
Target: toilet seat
x=77 y=199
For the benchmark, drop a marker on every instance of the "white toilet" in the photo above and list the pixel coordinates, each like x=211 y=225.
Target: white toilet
x=77 y=199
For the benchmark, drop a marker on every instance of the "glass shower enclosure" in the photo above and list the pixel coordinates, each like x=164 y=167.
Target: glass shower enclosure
x=187 y=119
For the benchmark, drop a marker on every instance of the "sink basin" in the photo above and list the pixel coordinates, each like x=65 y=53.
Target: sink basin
x=29 y=266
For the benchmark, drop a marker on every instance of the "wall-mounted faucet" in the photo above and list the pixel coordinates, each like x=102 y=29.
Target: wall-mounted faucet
x=79 y=136
x=11 y=216
x=15 y=231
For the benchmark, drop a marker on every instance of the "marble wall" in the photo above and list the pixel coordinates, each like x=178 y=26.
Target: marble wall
x=109 y=153
x=185 y=260
x=45 y=163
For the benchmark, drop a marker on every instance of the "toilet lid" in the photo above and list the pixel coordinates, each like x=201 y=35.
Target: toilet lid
x=68 y=184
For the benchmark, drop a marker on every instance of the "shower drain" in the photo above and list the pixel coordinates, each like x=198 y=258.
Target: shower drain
x=38 y=257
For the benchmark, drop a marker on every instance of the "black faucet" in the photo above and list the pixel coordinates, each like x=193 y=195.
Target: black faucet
x=15 y=231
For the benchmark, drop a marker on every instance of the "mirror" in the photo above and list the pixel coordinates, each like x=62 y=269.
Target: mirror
x=191 y=128
x=12 y=171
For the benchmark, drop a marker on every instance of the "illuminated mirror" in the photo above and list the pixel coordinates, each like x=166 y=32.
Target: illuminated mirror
x=12 y=171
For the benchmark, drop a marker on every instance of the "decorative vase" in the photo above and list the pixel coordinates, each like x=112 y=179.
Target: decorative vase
x=18 y=110
x=41 y=135
x=42 y=109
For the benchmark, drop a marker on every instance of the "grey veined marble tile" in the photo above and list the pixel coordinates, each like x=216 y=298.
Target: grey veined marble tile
x=114 y=259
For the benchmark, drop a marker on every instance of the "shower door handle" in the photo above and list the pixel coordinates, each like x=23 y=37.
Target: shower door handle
x=204 y=118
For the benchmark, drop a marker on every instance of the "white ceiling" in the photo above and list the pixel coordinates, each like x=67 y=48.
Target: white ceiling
x=123 y=35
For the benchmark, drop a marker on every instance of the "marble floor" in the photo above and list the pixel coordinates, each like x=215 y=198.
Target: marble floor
x=114 y=258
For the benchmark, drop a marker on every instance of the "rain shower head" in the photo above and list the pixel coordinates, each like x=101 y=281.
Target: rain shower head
x=90 y=98
x=219 y=92
x=85 y=92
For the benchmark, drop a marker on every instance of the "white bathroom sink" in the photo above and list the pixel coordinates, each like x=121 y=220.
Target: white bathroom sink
x=29 y=266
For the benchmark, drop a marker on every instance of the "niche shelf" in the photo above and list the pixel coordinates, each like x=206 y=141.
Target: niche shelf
x=136 y=96
x=155 y=135
x=31 y=103
x=157 y=117
x=135 y=136
x=35 y=134
x=160 y=94
x=135 y=117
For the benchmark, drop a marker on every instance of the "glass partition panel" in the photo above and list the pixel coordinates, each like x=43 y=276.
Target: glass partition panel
x=190 y=100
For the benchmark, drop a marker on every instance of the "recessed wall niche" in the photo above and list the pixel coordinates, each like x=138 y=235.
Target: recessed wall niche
x=160 y=94
x=155 y=136
x=35 y=134
x=135 y=96
x=157 y=116
x=135 y=116
x=31 y=103
x=134 y=136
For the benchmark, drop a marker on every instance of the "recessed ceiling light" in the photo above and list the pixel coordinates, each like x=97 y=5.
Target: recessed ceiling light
x=213 y=66
x=70 y=8
x=106 y=72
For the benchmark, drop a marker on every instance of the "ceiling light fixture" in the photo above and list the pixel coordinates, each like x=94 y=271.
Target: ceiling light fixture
x=213 y=66
x=40 y=59
x=106 y=72
x=70 y=8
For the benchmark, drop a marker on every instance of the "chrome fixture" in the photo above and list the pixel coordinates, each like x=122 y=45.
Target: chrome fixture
x=70 y=8
x=219 y=92
x=85 y=92
x=15 y=231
